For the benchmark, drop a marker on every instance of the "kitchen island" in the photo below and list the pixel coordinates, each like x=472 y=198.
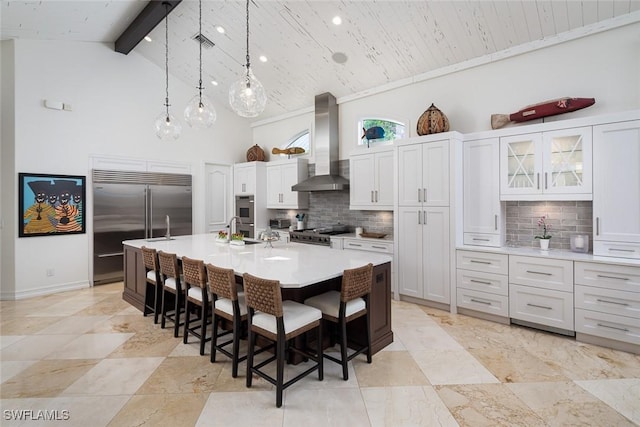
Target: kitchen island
x=303 y=271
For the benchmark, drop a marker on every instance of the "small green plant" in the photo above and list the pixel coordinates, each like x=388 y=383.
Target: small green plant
x=237 y=236
x=542 y=223
x=222 y=234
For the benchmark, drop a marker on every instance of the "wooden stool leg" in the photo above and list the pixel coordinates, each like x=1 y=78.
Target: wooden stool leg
x=203 y=328
x=280 y=347
x=236 y=346
x=176 y=326
x=343 y=348
x=157 y=303
x=164 y=309
x=319 y=353
x=252 y=342
x=368 y=337
x=214 y=336
x=187 y=318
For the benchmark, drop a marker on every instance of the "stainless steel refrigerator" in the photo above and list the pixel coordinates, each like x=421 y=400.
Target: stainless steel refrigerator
x=135 y=205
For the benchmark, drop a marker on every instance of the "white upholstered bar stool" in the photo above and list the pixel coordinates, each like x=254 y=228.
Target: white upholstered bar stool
x=342 y=307
x=171 y=285
x=153 y=287
x=196 y=296
x=279 y=321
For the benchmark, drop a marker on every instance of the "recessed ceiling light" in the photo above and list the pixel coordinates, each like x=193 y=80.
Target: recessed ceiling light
x=220 y=29
x=336 y=20
x=339 y=57
x=263 y=58
x=147 y=38
x=213 y=82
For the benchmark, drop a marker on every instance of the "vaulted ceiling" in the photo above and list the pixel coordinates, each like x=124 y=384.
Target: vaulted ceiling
x=377 y=43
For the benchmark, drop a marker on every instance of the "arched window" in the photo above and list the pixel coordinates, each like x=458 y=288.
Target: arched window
x=375 y=130
x=301 y=139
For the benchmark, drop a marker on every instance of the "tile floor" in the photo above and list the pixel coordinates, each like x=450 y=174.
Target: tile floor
x=88 y=358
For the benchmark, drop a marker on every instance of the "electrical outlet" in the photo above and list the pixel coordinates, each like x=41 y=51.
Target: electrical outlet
x=51 y=272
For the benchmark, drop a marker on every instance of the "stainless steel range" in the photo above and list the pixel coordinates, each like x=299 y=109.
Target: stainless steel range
x=318 y=236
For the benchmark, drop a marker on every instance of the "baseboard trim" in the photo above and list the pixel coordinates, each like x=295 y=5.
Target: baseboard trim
x=44 y=290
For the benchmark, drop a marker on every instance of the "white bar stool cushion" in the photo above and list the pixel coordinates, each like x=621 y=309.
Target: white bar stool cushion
x=329 y=304
x=294 y=316
x=170 y=282
x=225 y=305
x=195 y=293
x=151 y=275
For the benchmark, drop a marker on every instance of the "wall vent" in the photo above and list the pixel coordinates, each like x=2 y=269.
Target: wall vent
x=203 y=40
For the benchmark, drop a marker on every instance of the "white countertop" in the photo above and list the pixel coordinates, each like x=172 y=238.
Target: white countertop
x=552 y=253
x=295 y=265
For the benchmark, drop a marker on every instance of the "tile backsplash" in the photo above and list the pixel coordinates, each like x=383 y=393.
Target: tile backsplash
x=566 y=218
x=332 y=207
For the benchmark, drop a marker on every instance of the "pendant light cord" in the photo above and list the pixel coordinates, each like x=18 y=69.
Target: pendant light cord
x=248 y=62
x=166 y=56
x=200 y=32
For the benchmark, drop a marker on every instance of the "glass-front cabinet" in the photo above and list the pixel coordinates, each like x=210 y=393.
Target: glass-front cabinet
x=552 y=165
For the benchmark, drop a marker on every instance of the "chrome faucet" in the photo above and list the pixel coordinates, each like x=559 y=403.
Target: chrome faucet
x=230 y=226
x=168 y=233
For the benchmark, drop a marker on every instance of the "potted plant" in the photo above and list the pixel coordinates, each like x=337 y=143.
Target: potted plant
x=237 y=239
x=544 y=239
x=222 y=236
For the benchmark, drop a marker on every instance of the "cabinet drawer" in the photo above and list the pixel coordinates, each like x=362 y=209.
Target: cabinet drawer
x=483 y=282
x=608 y=301
x=483 y=261
x=609 y=326
x=485 y=302
x=542 y=306
x=610 y=276
x=620 y=250
x=551 y=274
x=481 y=239
x=366 y=245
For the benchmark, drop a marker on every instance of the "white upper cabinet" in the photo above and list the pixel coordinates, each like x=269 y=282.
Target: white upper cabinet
x=424 y=174
x=244 y=178
x=616 y=189
x=281 y=176
x=483 y=215
x=555 y=165
x=371 y=181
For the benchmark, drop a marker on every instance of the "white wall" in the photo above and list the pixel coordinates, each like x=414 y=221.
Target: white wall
x=115 y=100
x=604 y=66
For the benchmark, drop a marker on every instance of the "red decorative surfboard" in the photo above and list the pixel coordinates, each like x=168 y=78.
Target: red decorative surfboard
x=543 y=109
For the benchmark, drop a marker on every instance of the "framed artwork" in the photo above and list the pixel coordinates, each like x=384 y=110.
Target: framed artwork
x=50 y=205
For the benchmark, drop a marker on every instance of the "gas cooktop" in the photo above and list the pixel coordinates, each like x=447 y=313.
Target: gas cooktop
x=319 y=235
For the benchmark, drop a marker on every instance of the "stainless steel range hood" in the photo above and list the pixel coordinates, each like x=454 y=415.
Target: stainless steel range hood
x=327 y=176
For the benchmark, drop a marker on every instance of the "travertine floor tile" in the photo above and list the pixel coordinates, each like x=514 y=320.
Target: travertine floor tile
x=253 y=408
x=162 y=410
x=182 y=375
x=324 y=407
x=72 y=325
x=90 y=346
x=623 y=395
x=390 y=368
x=10 y=369
x=452 y=367
x=35 y=347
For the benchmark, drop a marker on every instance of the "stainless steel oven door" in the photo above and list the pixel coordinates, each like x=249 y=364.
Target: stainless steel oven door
x=244 y=208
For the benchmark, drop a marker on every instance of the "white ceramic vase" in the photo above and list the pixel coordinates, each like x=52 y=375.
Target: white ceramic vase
x=544 y=244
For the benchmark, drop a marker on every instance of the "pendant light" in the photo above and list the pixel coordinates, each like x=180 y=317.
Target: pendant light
x=200 y=112
x=167 y=126
x=247 y=96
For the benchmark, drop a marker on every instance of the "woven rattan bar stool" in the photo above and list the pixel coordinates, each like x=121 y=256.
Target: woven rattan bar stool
x=230 y=305
x=153 y=290
x=196 y=297
x=344 y=306
x=171 y=285
x=279 y=321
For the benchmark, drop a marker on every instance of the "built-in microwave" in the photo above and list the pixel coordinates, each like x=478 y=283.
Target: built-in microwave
x=244 y=210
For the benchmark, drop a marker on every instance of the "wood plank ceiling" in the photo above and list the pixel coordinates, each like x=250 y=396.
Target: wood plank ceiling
x=383 y=41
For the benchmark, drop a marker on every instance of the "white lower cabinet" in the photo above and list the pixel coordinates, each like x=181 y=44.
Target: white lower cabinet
x=541 y=292
x=482 y=282
x=607 y=300
x=357 y=244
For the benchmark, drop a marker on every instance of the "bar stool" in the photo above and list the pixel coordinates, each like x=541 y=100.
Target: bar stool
x=279 y=321
x=153 y=290
x=196 y=295
x=227 y=304
x=171 y=285
x=344 y=306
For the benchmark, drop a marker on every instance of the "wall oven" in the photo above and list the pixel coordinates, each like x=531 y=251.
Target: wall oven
x=244 y=210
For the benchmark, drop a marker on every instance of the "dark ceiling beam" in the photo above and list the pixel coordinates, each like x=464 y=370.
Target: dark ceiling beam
x=146 y=21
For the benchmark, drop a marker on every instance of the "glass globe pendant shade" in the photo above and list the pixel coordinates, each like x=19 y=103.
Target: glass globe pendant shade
x=247 y=96
x=167 y=127
x=199 y=113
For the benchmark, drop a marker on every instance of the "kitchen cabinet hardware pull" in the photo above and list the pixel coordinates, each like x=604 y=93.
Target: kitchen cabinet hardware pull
x=419 y=223
x=539 y=272
x=479 y=281
x=475 y=239
x=424 y=213
x=371 y=196
x=378 y=247
x=424 y=196
x=545 y=181
x=480 y=301
x=495 y=221
x=612 y=302
x=480 y=262
x=419 y=196
x=112 y=254
x=376 y=192
x=538 y=180
x=621 y=250
x=612 y=327
x=612 y=277
x=355 y=244
x=597 y=226
x=244 y=188
x=539 y=306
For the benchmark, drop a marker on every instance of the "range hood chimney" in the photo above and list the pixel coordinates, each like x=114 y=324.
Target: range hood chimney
x=327 y=176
